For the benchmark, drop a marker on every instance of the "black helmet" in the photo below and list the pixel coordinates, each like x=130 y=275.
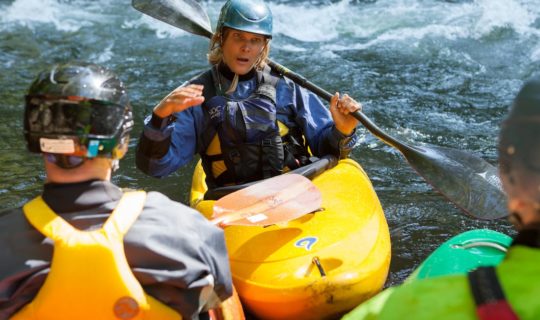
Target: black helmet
x=78 y=110
x=519 y=145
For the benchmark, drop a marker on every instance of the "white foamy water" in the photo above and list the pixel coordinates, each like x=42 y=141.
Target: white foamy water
x=426 y=71
x=405 y=21
x=65 y=16
x=104 y=56
x=384 y=21
x=370 y=24
x=161 y=29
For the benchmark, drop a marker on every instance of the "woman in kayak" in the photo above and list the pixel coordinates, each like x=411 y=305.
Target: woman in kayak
x=510 y=290
x=246 y=122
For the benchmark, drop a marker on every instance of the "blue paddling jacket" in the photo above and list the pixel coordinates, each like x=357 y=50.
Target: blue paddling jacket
x=167 y=144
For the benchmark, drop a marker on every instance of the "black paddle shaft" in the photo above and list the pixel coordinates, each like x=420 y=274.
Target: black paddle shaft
x=464 y=179
x=325 y=95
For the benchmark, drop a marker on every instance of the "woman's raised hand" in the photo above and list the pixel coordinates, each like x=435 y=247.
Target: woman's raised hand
x=180 y=99
x=340 y=109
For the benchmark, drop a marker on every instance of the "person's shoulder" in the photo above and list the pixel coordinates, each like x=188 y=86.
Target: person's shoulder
x=284 y=81
x=281 y=79
x=159 y=206
x=432 y=298
x=167 y=217
x=158 y=200
x=284 y=89
x=201 y=78
x=371 y=308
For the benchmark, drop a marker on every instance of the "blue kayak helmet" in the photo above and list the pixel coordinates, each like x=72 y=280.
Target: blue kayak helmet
x=77 y=111
x=519 y=145
x=246 y=15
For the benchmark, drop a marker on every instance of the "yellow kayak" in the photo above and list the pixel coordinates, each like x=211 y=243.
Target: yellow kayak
x=318 y=266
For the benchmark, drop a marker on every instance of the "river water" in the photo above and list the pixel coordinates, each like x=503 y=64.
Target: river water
x=438 y=72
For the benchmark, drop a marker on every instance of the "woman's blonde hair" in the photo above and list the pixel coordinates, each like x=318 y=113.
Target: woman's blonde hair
x=215 y=54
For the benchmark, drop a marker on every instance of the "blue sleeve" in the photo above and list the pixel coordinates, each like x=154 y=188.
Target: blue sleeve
x=315 y=120
x=161 y=151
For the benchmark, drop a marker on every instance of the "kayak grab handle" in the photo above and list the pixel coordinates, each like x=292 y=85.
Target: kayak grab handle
x=481 y=244
x=317 y=263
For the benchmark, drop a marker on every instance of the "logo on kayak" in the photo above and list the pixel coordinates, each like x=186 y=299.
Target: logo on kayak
x=493 y=180
x=306 y=242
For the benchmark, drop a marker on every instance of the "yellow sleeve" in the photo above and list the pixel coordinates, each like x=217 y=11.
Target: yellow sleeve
x=371 y=308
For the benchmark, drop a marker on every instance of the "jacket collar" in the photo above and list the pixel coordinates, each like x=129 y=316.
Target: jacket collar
x=229 y=75
x=75 y=197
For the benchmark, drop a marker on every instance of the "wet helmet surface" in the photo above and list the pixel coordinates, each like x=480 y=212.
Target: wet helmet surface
x=250 y=16
x=77 y=109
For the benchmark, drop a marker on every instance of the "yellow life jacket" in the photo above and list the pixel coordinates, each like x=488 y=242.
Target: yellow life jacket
x=90 y=277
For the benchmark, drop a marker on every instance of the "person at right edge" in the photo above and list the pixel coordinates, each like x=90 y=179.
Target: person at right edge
x=246 y=122
x=510 y=290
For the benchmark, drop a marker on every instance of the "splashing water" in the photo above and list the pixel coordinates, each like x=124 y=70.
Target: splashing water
x=440 y=72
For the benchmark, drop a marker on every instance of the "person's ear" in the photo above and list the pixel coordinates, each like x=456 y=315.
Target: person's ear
x=515 y=219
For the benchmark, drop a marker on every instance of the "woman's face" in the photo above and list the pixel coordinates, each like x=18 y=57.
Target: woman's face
x=241 y=50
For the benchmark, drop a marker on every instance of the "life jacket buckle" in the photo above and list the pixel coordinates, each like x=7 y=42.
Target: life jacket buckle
x=235 y=156
x=267 y=142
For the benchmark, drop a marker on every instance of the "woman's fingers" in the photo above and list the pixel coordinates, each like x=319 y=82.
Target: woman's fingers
x=187 y=96
x=184 y=101
x=347 y=105
x=192 y=90
x=180 y=99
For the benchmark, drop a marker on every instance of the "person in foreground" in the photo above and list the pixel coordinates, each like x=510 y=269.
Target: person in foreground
x=78 y=117
x=245 y=122
x=511 y=290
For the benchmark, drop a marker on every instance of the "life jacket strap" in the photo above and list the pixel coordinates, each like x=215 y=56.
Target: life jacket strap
x=269 y=161
x=126 y=212
x=53 y=226
x=491 y=303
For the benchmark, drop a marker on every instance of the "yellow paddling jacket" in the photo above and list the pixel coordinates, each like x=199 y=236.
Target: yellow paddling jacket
x=90 y=277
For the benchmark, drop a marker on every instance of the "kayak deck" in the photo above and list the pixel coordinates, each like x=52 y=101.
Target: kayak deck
x=463 y=253
x=319 y=265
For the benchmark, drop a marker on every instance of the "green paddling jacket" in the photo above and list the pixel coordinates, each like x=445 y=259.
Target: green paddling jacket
x=450 y=297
